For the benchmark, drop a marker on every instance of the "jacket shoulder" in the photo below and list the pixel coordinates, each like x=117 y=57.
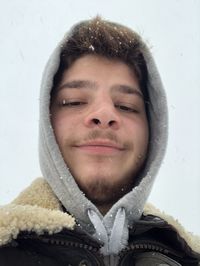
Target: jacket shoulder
x=37 y=210
x=190 y=239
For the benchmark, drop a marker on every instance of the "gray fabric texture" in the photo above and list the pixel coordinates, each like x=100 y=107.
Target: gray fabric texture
x=57 y=174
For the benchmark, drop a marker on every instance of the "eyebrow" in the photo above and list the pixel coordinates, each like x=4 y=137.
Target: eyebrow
x=127 y=90
x=81 y=84
x=78 y=84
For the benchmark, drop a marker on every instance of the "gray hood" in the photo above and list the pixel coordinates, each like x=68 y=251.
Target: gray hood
x=129 y=208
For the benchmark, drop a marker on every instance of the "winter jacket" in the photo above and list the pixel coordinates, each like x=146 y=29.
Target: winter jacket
x=36 y=230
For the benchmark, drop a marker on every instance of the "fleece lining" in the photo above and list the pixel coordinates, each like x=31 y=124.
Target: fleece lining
x=37 y=209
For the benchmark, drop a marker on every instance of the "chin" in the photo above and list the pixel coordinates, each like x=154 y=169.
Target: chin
x=104 y=189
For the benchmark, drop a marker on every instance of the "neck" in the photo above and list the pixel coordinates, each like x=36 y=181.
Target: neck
x=104 y=208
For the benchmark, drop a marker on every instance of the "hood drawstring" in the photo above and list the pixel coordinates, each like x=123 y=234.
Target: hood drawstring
x=100 y=230
x=117 y=239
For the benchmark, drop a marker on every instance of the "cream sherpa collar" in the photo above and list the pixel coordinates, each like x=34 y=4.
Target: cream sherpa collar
x=37 y=209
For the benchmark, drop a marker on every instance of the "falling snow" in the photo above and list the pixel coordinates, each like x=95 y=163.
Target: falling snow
x=91 y=47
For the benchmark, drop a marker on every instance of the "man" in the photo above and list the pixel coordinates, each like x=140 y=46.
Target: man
x=103 y=131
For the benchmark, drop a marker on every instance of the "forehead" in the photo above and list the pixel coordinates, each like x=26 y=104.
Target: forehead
x=100 y=69
x=91 y=63
x=94 y=71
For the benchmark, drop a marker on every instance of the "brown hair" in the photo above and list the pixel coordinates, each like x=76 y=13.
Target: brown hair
x=101 y=37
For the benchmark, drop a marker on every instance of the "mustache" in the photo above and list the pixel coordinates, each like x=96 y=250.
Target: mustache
x=98 y=134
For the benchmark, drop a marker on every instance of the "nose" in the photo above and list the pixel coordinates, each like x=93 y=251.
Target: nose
x=103 y=116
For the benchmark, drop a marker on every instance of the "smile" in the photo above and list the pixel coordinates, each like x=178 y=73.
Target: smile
x=100 y=147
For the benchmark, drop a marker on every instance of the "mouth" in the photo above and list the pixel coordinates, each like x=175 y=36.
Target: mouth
x=100 y=147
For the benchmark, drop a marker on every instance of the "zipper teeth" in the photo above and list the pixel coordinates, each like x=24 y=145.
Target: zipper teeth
x=144 y=246
x=67 y=243
x=149 y=247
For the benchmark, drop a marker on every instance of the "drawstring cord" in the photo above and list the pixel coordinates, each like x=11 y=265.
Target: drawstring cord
x=100 y=230
x=117 y=239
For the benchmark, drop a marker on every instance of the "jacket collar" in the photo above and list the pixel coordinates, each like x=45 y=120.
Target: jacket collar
x=37 y=209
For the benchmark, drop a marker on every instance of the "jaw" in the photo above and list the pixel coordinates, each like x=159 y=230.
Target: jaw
x=103 y=185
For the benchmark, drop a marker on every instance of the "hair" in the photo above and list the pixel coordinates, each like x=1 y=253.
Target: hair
x=107 y=39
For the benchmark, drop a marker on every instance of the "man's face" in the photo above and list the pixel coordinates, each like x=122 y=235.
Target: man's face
x=100 y=124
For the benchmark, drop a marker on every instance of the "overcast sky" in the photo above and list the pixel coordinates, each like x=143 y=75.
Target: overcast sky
x=29 y=31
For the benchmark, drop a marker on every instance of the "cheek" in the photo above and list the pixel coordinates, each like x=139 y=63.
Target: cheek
x=59 y=126
x=143 y=138
x=63 y=126
x=139 y=133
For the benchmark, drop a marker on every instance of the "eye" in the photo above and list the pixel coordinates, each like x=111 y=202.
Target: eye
x=71 y=103
x=126 y=108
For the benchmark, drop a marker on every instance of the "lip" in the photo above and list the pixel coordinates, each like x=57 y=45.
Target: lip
x=100 y=147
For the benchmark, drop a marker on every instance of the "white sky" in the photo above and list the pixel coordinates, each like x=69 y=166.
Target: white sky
x=29 y=30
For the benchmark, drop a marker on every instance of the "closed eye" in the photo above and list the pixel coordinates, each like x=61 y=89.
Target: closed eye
x=71 y=103
x=126 y=108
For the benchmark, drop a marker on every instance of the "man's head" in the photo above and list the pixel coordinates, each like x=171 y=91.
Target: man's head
x=98 y=110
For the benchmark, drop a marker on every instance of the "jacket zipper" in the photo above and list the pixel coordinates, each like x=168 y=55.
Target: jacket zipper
x=68 y=243
x=132 y=247
x=62 y=242
x=147 y=246
x=59 y=242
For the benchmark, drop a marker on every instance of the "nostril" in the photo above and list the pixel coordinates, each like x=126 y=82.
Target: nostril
x=111 y=122
x=96 y=121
